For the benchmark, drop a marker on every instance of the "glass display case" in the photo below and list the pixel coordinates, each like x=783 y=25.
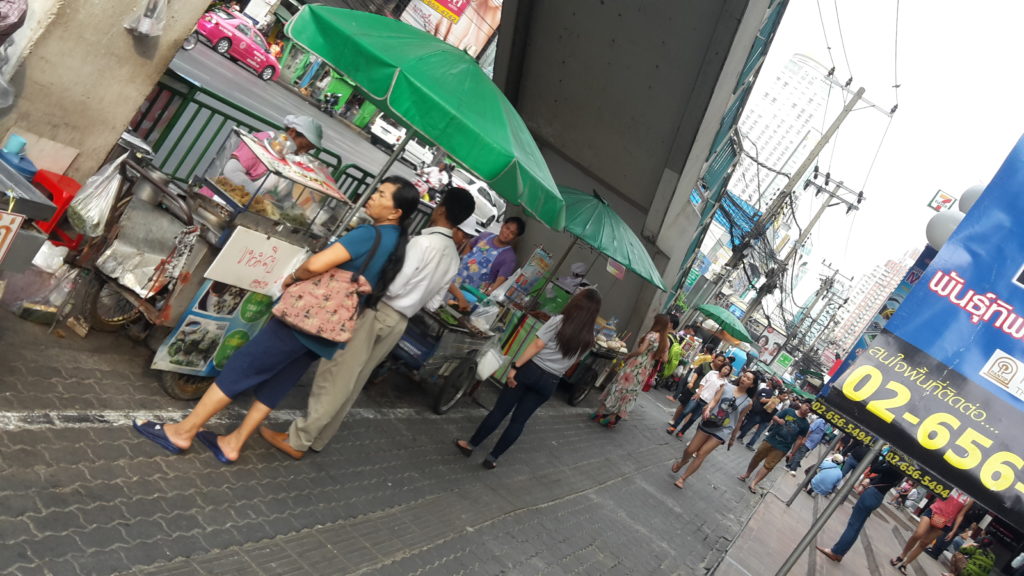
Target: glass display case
x=258 y=175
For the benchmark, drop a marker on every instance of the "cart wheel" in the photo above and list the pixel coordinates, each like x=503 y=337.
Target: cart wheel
x=455 y=385
x=110 y=311
x=184 y=386
x=137 y=330
x=582 y=383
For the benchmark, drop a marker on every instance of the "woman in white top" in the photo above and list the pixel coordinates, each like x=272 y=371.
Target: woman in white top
x=722 y=417
x=534 y=375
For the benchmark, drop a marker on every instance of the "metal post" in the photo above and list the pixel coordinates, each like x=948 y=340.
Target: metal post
x=810 y=473
x=376 y=182
x=837 y=501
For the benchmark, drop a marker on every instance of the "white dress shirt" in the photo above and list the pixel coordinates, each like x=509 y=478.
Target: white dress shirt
x=431 y=262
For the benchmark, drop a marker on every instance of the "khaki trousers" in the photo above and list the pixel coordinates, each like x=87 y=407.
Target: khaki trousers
x=339 y=380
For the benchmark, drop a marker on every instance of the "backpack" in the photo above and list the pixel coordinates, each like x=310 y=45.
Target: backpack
x=675 y=354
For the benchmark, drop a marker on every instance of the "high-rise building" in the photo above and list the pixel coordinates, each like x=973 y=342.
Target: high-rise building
x=867 y=297
x=779 y=125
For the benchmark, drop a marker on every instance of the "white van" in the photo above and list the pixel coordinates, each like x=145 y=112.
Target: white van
x=385 y=133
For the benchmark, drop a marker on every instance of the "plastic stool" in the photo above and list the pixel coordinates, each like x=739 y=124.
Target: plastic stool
x=61 y=190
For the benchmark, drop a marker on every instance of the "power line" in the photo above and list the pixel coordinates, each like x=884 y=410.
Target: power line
x=824 y=34
x=895 y=56
x=842 y=41
x=881 y=142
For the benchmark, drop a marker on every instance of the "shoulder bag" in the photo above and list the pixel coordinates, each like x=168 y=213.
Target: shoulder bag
x=327 y=305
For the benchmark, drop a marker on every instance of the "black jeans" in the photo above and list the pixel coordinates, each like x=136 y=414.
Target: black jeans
x=534 y=387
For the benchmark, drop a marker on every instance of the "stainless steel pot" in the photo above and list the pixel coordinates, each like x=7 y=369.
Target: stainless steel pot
x=146 y=190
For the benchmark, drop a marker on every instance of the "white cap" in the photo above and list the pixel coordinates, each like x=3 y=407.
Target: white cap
x=469 y=226
x=837 y=458
x=306 y=126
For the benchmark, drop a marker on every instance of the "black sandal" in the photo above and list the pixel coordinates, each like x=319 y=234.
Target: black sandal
x=895 y=561
x=902 y=568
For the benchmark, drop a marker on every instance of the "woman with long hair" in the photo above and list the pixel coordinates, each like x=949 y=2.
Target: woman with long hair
x=533 y=377
x=277 y=357
x=722 y=417
x=934 y=521
x=620 y=397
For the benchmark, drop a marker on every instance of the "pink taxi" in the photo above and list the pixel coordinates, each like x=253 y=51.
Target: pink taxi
x=236 y=37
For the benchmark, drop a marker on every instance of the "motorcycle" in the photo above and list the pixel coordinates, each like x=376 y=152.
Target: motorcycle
x=329 y=103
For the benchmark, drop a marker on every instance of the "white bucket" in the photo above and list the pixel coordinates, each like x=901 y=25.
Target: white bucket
x=488 y=363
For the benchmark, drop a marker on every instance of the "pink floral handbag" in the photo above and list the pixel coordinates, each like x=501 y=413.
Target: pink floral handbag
x=327 y=305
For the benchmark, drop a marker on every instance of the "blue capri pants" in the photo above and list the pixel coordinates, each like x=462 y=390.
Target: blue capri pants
x=270 y=364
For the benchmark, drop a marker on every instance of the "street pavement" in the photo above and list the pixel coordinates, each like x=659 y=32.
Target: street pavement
x=82 y=493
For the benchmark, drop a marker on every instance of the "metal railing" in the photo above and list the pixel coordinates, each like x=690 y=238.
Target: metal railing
x=186 y=125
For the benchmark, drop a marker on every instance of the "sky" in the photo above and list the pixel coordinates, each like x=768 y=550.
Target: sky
x=959 y=113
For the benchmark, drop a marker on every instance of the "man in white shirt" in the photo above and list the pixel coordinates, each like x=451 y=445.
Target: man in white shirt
x=431 y=262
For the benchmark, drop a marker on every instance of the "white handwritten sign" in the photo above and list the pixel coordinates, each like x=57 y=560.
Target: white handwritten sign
x=9 y=225
x=255 y=262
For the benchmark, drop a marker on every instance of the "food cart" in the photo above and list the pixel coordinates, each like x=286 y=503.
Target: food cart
x=240 y=239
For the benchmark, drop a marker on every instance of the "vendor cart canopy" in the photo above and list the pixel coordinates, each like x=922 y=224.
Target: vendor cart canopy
x=439 y=92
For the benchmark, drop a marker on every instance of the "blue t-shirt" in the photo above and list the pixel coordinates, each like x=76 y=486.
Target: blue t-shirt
x=358 y=242
x=783 y=436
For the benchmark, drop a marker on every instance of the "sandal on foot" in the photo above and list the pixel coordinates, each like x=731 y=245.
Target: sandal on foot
x=679 y=483
x=677 y=466
x=466 y=451
x=896 y=561
x=489 y=464
x=154 y=432
x=902 y=569
x=209 y=439
x=670 y=430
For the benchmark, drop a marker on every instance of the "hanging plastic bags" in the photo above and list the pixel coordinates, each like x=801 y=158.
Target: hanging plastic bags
x=89 y=210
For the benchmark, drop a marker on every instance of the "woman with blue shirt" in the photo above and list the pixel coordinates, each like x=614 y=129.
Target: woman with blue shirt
x=272 y=362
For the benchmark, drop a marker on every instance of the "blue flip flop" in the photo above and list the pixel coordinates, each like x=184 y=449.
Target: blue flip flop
x=154 y=432
x=209 y=439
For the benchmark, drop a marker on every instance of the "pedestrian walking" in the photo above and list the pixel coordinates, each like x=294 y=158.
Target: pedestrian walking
x=882 y=476
x=533 y=377
x=705 y=394
x=815 y=434
x=430 y=264
x=948 y=513
x=621 y=396
x=720 y=420
x=790 y=426
x=277 y=357
x=685 y=387
x=854 y=453
x=760 y=416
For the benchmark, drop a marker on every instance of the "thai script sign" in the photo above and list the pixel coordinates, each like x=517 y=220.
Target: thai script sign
x=944 y=380
x=255 y=261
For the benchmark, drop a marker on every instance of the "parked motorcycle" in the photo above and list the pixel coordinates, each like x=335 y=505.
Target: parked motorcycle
x=329 y=103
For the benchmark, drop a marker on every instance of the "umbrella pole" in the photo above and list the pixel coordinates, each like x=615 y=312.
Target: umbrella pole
x=376 y=182
x=554 y=269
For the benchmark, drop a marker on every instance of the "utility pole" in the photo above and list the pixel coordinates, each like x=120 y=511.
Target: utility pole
x=773 y=276
x=779 y=202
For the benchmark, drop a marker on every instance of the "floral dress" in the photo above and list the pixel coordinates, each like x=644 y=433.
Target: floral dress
x=620 y=397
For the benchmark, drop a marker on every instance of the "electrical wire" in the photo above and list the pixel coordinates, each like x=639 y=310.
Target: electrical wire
x=895 y=56
x=824 y=34
x=881 y=142
x=842 y=41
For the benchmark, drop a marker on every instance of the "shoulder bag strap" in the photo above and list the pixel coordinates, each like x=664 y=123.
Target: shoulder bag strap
x=369 y=256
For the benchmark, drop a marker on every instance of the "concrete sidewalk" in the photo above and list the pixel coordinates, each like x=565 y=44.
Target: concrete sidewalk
x=81 y=493
x=774 y=530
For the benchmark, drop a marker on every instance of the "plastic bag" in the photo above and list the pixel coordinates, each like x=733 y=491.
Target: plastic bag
x=89 y=210
x=148 y=19
x=484 y=315
x=50 y=257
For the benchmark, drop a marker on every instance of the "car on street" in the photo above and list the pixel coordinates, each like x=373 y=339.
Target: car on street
x=385 y=133
x=235 y=37
x=490 y=208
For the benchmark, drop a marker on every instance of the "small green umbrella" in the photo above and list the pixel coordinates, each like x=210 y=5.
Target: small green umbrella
x=439 y=92
x=727 y=320
x=592 y=220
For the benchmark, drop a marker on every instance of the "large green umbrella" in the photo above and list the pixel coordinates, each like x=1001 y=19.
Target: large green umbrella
x=727 y=320
x=439 y=92
x=592 y=220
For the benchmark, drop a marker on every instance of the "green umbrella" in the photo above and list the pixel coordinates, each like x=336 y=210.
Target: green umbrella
x=592 y=220
x=727 y=320
x=439 y=92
